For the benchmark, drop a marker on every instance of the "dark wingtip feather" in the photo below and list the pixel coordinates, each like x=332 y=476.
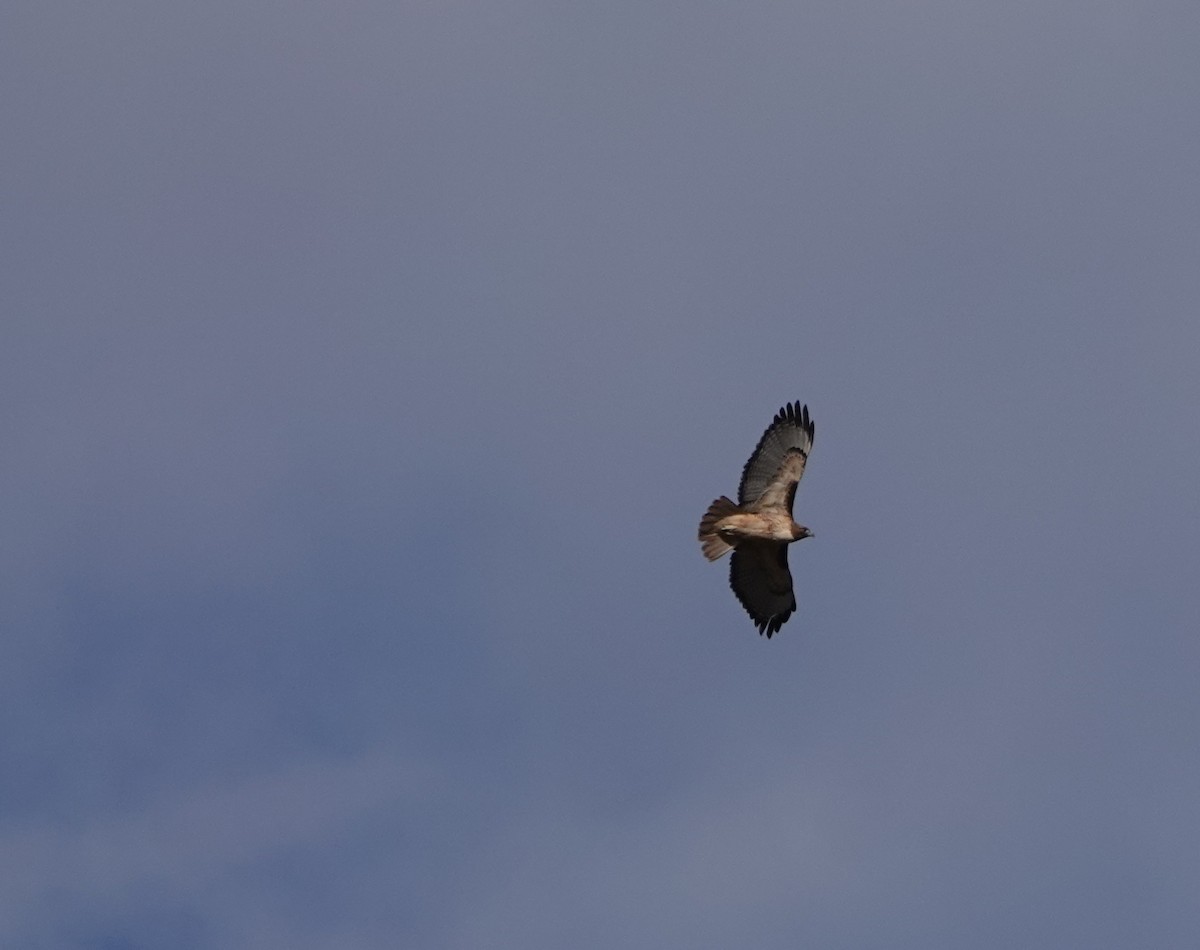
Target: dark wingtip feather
x=795 y=412
x=769 y=626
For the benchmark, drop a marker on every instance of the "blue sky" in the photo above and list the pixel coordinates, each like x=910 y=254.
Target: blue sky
x=366 y=368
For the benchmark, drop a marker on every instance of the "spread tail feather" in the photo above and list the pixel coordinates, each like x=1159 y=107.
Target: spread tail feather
x=711 y=543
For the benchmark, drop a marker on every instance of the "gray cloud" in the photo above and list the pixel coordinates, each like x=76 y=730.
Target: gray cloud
x=366 y=369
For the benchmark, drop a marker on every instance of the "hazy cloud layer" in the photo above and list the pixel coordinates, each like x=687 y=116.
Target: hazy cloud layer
x=366 y=368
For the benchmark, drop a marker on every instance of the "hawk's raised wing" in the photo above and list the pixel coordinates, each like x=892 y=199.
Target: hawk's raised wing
x=759 y=576
x=769 y=478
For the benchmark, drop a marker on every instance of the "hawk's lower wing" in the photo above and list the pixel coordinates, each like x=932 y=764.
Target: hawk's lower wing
x=759 y=576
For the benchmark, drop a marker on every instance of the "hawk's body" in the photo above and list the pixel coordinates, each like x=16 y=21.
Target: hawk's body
x=759 y=527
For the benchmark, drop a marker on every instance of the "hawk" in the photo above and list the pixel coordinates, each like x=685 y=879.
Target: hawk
x=759 y=527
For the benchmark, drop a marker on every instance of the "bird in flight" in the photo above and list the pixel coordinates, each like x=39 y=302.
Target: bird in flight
x=759 y=527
